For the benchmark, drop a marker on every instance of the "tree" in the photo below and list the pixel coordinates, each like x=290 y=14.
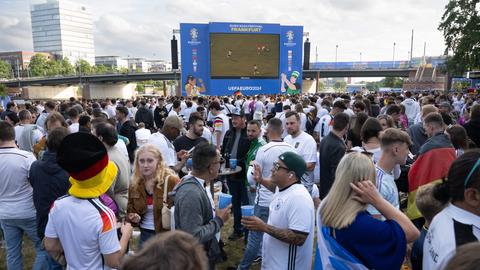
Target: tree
x=321 y=86
x=140 y=88
x=5 y=70
x=53 y=67
x=38 y=65
x=66 y=67
x=392 y=82
x=460 y=25
x=339 y=85
x=83 y=67
x=3 y=90
x=100 y=69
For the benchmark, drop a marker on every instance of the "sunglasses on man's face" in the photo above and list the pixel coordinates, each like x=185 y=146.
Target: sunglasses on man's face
x=277 y=166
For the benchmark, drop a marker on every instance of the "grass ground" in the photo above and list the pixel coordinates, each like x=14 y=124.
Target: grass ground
x=234 y=249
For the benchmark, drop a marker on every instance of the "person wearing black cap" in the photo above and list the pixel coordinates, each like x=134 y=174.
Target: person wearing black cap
x=236 y=145
x=79 y=225
x=289 y=232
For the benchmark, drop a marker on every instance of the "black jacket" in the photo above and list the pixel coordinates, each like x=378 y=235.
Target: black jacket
x=159 y=115
x=242 y=150
x=473 y=130
x=145 y=116
x=49 y=182
x=332 y=149
x=127 y=130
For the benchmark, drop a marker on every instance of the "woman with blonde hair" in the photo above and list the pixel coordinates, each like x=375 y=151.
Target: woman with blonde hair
x=151 y=181
x=347 y=234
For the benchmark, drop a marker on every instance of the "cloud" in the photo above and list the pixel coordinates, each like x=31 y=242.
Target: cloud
x=144 y=28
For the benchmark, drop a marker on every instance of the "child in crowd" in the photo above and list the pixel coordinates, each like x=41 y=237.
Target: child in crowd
x=428 y=207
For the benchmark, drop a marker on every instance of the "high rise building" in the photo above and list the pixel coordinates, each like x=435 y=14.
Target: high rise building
x=64 y=29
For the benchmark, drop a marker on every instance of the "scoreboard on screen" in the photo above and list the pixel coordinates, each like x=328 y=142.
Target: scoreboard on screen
x=240 y=58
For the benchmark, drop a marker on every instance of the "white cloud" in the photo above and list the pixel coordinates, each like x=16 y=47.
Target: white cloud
x=144 y=28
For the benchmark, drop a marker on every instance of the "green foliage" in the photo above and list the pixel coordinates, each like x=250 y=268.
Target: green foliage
x=5 y=70
x=339 y=85
x=66 y=67
x=83 y=67
x=393 y=82
x=321 y=86
x=3 y=90
x=38 y=65
x=460 y=25
x=140 y=88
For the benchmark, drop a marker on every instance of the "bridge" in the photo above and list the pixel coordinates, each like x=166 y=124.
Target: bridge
x=317 y=70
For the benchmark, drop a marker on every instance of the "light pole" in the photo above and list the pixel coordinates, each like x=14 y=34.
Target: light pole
x=360 y=56
x=394 y=44
x=336 y=54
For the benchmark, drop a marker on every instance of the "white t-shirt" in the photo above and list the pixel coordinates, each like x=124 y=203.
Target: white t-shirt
x=441 y=239
x=172 y=112
x=303 y=121
x=122 y=147
x=259 y=107
x=282 y=117
x=207 y=134
x=37 y=134
x=291 y=209
x=147 y=221
x=16 y=193
x=222 y=125
x=111 y=111
x=265 y=157
x=165 y=147
x=387 y=188
x=315 y=192
x=86 y=228
x=228 y=108
x=307 y=148
x=246 y=106
x=142 y=135
x=324 y=126
x=74 y=127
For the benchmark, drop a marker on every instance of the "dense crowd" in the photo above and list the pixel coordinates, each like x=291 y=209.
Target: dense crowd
x=323 y=181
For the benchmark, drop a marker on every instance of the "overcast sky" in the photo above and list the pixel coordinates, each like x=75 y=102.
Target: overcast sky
x=144 y=27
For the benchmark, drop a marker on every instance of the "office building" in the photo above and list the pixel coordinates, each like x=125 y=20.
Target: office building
x=64 y=29
x=115 y=62
x=20 y=60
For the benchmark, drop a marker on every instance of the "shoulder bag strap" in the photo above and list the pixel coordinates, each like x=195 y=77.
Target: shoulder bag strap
x=165 y=188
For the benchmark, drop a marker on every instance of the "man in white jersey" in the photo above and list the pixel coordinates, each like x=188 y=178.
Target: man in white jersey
x=221 y=124
x=288 y=238
x=395 y=145
x=265 y=157
x=324 y=125
x=79 y=225
x=305 y=146
x=17 y=211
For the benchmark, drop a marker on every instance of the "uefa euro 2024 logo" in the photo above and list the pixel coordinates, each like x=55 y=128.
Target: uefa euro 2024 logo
x=194 y=34
x=290 y=36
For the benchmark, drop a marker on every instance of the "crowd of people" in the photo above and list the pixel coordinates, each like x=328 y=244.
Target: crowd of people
x=336 y=181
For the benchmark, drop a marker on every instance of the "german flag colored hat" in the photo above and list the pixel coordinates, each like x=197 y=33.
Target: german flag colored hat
x=85 y=158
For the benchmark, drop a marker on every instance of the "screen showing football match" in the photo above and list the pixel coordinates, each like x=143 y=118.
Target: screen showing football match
x=244 y=55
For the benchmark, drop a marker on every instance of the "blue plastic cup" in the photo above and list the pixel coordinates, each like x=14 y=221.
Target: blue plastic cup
x=233 y=163
x=247 y=210
x=224 y=200
x=189 y=164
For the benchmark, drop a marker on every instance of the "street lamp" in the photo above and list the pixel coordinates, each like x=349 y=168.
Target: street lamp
x=336 y=54
x=394 y=44
x=360 y=56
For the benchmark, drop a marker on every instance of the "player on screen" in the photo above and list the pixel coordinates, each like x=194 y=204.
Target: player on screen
x=229 y=54
x=255 y=70
x=191 y=87
x=291 y=86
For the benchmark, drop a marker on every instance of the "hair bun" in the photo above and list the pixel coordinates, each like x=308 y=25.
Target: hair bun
x=441 y=192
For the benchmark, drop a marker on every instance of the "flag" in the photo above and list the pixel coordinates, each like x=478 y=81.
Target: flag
x=329 y=254
x=432 y=164
x=237 y=93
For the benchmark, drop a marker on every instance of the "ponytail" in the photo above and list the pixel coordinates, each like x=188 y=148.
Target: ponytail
x=441 y=192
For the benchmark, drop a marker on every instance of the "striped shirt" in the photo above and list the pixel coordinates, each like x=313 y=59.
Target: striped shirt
x=387 y=188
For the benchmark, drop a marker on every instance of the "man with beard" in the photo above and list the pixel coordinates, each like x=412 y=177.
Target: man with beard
x=194 y=134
